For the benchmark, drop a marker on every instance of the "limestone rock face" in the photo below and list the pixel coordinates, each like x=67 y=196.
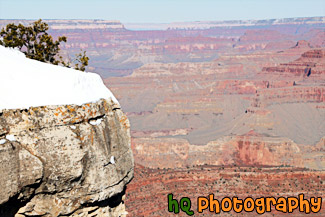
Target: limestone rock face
x=64 y=160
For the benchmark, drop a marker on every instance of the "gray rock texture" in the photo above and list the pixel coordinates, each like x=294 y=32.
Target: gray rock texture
x=64 y=160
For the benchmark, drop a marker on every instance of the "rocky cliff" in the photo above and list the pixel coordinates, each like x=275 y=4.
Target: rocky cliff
x=251 y=149
x=64 y=160
x=310 y=64
x=114 y=50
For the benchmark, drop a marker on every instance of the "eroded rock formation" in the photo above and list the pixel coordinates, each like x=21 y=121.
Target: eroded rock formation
x=310 y=64
x=64 y=160
x=222 y=181
x=251 y=149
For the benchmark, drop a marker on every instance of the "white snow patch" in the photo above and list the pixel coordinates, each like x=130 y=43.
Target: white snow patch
x=25 y=82
x=95 y=122
x=2 y=141
x=73 y=127
x=112 y=160
x=11 y=138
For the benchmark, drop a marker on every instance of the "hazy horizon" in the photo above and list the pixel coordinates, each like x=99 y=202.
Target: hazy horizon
x=159 y=22
x=167 y=11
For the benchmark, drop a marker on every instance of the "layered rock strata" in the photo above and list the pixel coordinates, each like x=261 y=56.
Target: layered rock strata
x=64 y=160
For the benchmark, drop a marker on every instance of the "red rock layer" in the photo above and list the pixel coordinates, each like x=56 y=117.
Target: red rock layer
x=147 y=194
x=310 y=64
x=250 y=149
x=295 y=94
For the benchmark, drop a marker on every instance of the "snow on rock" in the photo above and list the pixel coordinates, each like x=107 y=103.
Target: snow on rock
x=25 y=82
x=95 y=122
x=11 y=138
x=2 y=141
x=112 y=160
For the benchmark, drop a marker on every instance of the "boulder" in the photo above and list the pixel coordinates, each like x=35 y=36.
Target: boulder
x=67 y=160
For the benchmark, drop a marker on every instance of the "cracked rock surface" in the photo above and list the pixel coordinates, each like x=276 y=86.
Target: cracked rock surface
x=64 y=160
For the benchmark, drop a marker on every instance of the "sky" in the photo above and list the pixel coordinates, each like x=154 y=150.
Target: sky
x=160 y=11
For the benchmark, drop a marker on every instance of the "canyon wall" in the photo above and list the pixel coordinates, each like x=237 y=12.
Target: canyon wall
x=65 y=160
x=212 y=128
x=116 y=50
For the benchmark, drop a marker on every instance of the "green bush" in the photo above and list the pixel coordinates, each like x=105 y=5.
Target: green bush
x=36 y=43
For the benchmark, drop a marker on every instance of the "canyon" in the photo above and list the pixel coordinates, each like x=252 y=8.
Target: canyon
x=235 y=108
x=245 y=120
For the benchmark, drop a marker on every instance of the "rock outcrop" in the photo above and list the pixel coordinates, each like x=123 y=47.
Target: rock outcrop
x=310 y=64
x=64 y=160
